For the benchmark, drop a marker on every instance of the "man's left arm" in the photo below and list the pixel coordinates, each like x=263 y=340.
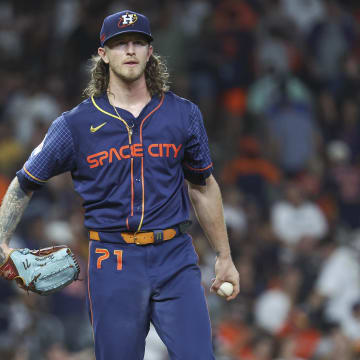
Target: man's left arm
x=207 y=203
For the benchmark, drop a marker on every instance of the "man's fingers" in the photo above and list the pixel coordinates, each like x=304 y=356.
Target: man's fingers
x=235 y=292
x=215 y=285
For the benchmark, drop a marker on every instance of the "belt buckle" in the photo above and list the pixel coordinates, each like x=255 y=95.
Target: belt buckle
x=136 y=241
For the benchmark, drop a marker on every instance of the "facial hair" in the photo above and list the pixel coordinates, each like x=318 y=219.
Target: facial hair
x=128 y=75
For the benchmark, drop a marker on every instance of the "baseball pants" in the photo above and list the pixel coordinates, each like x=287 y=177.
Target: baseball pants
x=130 y=286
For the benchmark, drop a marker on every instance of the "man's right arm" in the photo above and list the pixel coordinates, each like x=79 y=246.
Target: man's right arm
x=13 y=206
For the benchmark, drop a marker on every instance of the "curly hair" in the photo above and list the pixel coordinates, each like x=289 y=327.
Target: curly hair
x=156 y=76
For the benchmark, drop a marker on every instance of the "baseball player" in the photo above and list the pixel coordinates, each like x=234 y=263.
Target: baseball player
x=136 y=153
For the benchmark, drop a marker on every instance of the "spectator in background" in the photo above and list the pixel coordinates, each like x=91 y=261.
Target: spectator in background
x=343 y=182
x=296 y=217
x=330 y=39
x=31 y=106
x=328 y=118
x=302 y=333
x=338 y=283
x=234 y=214
x=350 y=125
x=200 y=65
x=304 y=13
x=234 y=22
x=272 y=308
x=269 y=89
x=11 y=151
x=276 y=37
x=79 y=46
x=351 y=327
x=292 y=133
x=251 y=172
x=347 y=83
x=170 y=40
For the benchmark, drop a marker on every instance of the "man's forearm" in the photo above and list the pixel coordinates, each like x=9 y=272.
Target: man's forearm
x=13 y=205
x=207 y=204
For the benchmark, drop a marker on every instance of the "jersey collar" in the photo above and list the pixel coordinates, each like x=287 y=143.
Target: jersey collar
x=102 y=104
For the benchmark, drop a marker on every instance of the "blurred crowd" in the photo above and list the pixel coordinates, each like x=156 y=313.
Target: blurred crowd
x=278 y=83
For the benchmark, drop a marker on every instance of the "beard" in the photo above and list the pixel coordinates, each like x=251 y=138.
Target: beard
x=128 y=74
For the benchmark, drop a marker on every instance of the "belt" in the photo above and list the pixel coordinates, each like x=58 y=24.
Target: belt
x=147 y=237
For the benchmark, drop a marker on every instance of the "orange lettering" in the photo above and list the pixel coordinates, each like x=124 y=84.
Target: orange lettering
x=150 y=150
x=121 y=152
x=104 y=156
x=100 y=259
x=113 y=151
x=118 y=254
x=91 y=160
x=161 y=150
x=167 y=146
x=137 y=150
x=176 y=150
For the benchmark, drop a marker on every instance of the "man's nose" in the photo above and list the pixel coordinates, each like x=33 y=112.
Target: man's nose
x=130 y=48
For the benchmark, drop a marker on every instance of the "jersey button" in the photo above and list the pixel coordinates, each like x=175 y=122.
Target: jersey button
x=137 y=179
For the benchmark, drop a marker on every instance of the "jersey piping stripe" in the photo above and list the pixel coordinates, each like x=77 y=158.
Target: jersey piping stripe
x=142 y=162
x=88 y=284
x=132 y=187
x=203 y=169
x=143 y=195
x=34 y=177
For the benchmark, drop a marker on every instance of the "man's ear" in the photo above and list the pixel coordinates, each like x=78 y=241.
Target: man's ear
x=151 y=49
x=102 y=54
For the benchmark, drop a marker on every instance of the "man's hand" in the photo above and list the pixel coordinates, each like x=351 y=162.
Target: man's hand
x=225 y=271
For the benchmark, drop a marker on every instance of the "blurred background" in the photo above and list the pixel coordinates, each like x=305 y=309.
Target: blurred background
x=278 y=83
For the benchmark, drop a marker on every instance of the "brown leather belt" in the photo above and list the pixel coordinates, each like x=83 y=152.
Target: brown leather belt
x=141 y=238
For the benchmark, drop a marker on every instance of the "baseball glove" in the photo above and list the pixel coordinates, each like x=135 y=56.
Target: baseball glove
x=42 y=271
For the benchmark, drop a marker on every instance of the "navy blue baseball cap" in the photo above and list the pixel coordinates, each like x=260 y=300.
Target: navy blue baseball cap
x=126 y=21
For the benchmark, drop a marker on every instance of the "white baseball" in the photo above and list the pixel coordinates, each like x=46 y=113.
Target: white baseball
x=225 y=289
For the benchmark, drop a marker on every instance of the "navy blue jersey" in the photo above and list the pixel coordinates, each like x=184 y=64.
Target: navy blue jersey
x=129 y=171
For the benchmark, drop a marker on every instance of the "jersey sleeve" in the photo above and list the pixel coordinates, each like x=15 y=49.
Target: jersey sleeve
x=55 y=155
x=197 y=164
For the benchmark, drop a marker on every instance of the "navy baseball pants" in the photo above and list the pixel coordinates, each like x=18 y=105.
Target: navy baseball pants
x=130 y=285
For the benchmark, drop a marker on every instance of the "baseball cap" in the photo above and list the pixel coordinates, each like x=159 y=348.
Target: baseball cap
x=126 y=21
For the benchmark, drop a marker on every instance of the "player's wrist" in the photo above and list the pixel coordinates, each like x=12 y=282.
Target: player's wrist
x=225 y=254
x=5 y=248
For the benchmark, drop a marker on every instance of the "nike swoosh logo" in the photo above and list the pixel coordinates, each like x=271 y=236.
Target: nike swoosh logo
x=94 y=129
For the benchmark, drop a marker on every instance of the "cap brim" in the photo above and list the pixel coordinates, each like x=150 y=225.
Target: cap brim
x=150 y=38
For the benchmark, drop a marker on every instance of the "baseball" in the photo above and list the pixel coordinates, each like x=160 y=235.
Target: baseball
x=226 y=289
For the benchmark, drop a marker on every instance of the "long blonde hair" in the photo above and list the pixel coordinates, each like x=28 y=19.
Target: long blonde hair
x=156 y=76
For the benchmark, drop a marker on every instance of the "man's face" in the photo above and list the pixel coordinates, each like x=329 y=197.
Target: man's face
x=127 y=56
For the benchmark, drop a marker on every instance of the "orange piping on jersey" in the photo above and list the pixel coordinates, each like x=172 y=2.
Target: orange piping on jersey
x=150 y=113
x=32 y=176
x=142 y=163
x=143 y=194
x=203 y=169
x=90 y=301
x=132 y=187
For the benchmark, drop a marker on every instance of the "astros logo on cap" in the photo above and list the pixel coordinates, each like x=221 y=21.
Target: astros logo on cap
x=127 y=20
